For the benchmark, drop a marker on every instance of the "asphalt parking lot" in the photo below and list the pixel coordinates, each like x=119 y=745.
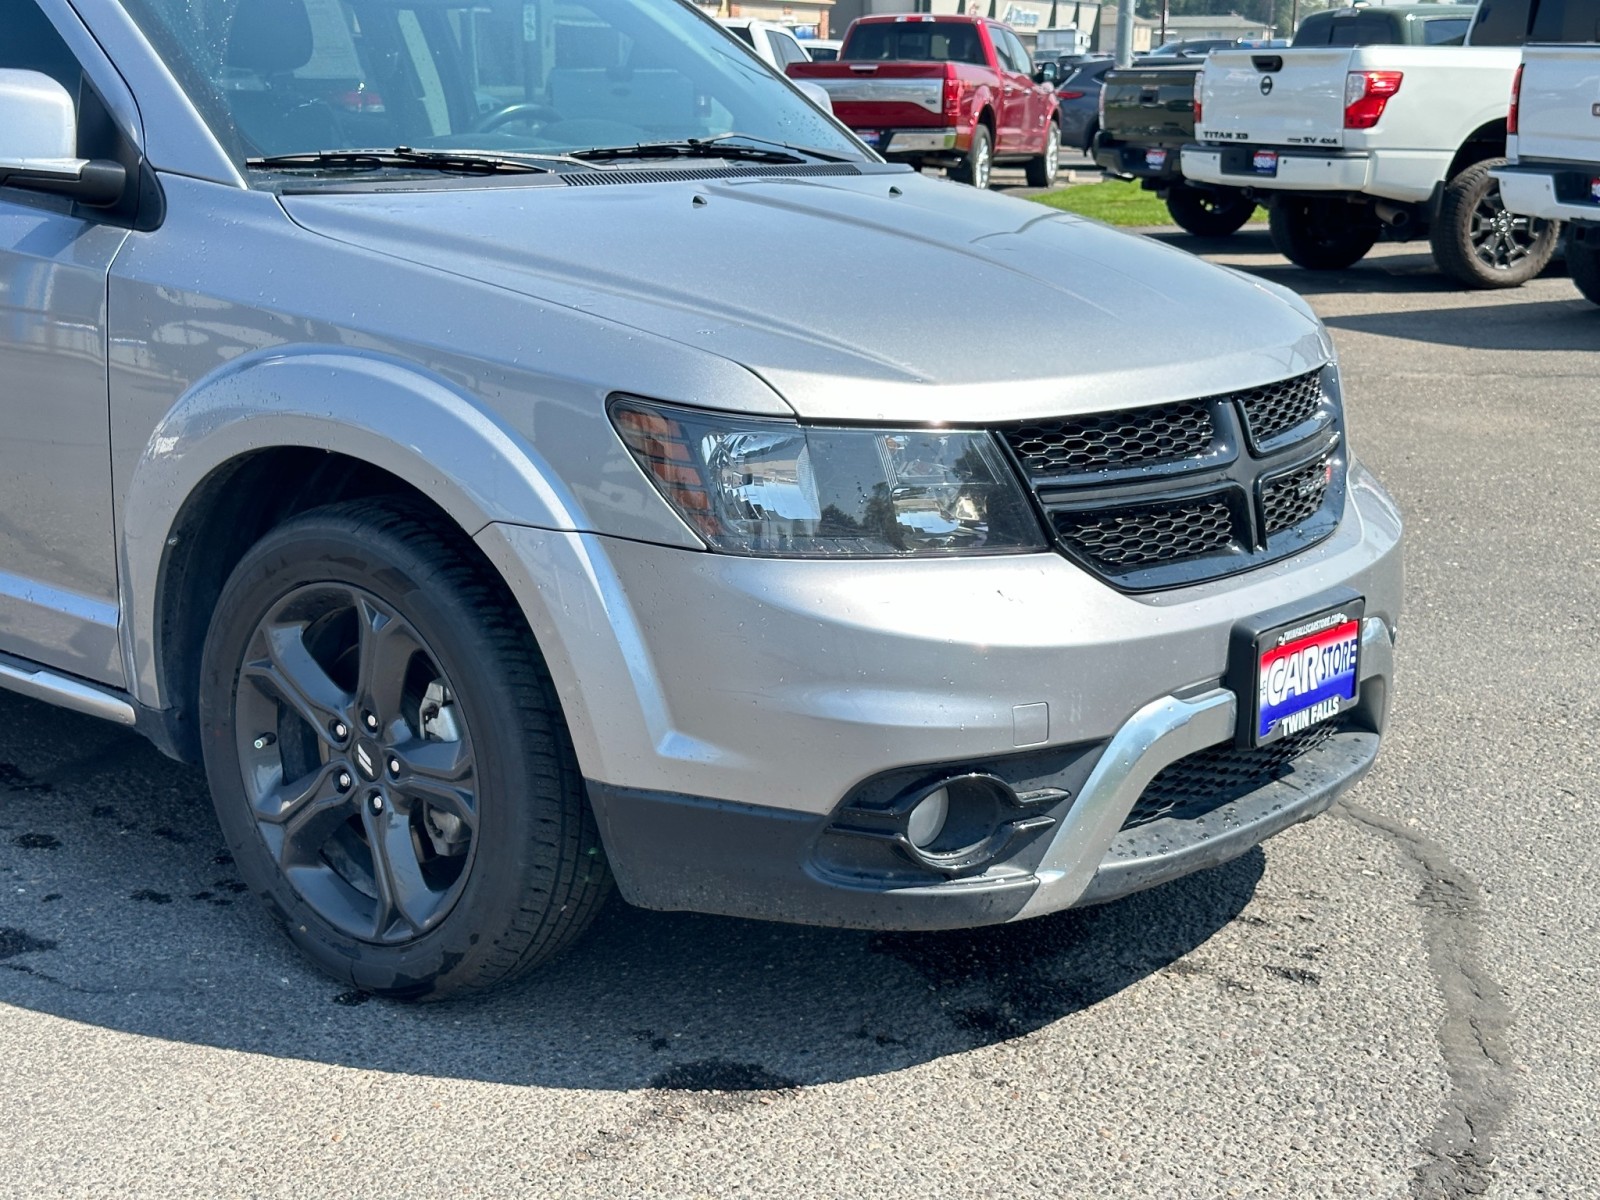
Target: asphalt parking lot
x=1395 y=1000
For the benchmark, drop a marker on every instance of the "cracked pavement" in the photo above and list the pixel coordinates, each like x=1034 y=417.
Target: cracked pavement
x=1394 y=1000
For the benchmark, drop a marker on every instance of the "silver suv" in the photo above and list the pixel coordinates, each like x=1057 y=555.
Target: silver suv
x=402 y=419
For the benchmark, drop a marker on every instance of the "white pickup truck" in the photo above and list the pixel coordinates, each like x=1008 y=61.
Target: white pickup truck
x=1349 y=143
x=1554 y=142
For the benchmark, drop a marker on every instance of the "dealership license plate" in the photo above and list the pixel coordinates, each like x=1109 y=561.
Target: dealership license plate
x=1264 y=162
x=872 y=137
x=1306 y=672
x=1594 y=191
x=1155 y=159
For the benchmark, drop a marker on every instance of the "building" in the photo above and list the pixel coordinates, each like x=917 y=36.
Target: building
x=814 y=17
x=1027 y=17
x=1230 y=25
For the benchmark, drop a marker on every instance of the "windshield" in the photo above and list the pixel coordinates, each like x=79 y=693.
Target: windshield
x=277 y=77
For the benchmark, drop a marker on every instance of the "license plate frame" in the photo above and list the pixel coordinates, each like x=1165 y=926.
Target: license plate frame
x=1155 y=159
x=1291 y=673
x=1264 y=162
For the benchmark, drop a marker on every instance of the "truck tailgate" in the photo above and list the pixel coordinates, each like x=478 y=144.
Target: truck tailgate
x=1150 y=104
x=891 y=94
x=1560 y=101
x=1275 y=97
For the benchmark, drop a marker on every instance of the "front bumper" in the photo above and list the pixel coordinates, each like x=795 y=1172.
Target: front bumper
x=724 y=709
x=1555 y=192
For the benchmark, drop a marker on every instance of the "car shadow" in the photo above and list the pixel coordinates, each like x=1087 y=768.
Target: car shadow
x=119 y=910
x=1565 y=324
x=1408 y=270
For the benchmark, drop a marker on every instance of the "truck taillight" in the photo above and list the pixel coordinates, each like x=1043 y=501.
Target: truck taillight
x=1365 y=95
x=952 y=93
x=1198 y=111
x=1516 y=101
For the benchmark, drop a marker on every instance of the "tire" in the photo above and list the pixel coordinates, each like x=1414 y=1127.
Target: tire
x=355 y=639
x=1209 y=213
x=980 y=160
x=1321 y=235
x=1583 y=264
x=1478 y=243
x=1088 y=137
x=1042 y=170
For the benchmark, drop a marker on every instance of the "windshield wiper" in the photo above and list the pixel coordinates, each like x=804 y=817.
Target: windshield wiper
x=405 y=158
x=722 y=146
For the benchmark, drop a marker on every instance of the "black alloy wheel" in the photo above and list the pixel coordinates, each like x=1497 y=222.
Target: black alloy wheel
x=1479 y=243
x=357 y=762
x=388 y=758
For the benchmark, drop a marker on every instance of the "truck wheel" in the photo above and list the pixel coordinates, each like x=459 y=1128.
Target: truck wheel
x=1042 y=170
x=1207 y=213
x=1583 y=264
x=1478 y=243
x=388 y=758
x=980 y=161
x=1321 y=235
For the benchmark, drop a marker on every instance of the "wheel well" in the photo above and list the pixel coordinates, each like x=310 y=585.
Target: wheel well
x=986 y=118
x=238 y=504
x=1487 y=142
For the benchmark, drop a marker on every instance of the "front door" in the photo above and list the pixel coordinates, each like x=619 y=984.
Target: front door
x=58 y=579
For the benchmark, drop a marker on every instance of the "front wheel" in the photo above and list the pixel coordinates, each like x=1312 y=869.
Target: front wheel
x=388 y=758
x=1583 y=264
x=1042 y=170
x=1206 y=213
x=1479 y=243
x=1321 y=235
x=979 y=162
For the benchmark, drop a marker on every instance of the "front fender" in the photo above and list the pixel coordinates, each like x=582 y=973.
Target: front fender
x=400 y=419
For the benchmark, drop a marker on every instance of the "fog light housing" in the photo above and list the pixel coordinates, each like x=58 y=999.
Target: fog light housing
x=962 y=823
x=927 y=819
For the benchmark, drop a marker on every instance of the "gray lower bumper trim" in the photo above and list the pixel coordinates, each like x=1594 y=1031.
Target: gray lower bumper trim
x=1164 y=850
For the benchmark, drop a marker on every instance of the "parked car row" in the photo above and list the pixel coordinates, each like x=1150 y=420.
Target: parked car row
x=1292 y=98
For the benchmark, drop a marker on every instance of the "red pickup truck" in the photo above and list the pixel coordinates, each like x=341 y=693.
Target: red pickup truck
x=956 y=92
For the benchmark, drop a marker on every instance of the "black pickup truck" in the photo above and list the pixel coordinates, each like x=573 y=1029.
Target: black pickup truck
x=1146 y=115
x=1147 y=110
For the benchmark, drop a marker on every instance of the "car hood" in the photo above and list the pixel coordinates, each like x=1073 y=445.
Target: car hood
x=881 y=297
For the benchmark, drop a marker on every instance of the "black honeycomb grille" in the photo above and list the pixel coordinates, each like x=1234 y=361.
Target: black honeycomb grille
x=1277 y=409
x=1208 y=779
x=1128 y=537
x=1295 y=497
x=1103 y=441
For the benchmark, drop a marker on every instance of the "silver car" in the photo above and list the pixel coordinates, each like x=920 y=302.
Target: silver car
x=399 y=419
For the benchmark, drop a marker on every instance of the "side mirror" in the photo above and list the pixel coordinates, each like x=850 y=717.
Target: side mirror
x=1046 y=73
x=38 y=143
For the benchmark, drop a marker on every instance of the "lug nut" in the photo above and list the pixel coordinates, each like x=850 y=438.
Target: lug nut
x=375 y=803
x=265 y=740
x=343 y=782
x=340 y=730
x=394 y=766
x=372 y=721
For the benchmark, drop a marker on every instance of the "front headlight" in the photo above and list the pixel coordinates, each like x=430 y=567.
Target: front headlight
x=777 y=488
